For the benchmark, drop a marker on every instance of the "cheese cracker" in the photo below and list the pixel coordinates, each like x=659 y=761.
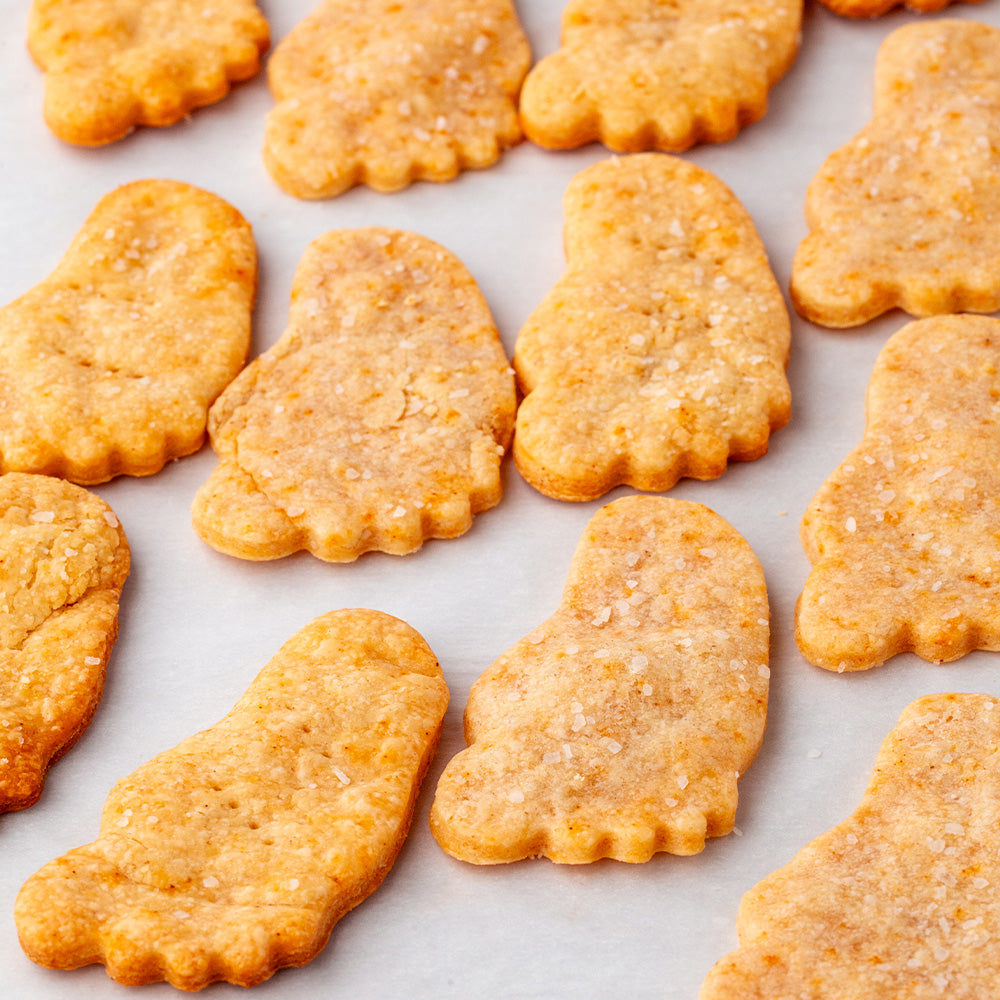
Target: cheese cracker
x=875 y=8
x=378 y=420
x=65 y=560
x=661 y=351
x=108 y=365
x=653 y=74
x=899 y=900
x=111 y=65
x=386 y=92
x=618 y=727
x=235 y=853
x=907 y=214
x=904 y=537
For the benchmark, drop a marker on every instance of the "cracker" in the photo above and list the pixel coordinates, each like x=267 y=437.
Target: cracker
x=110 y=363
x=111 y=65
x=904 y=537
x=660 y=353
x=235 y=853
x=65 y=560
x=899 y=900
x=649 y=74
x=907 y=214
x=386 y=92
x=875 y=8
x=378 y=420
x=619 y=726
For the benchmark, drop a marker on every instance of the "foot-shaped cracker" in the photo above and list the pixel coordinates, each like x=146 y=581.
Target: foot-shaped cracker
x=900 y=899
x=109 y=365
x=659 y=74
x=618 y=727
x=235 y=853
x=875 y=8
x=386 y=92
x=65 y=560
x=378 y=420
x=111 y=65
x=661 y=351
x=906 y=214
x=905 y=536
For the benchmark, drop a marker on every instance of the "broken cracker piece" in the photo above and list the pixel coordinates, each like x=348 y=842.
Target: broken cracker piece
x=899 y=900
x=649 y=74
x=111 y=65
x=378 y=420
x=108 y=365
x=661 y=351
x=386 y=92
x=619 y=727
x=904 y=537
x=235 y=853
x=907 y=214
x=65 y=560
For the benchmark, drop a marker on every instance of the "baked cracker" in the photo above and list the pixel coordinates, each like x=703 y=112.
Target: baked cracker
x=386 y=92
x=380 y=417
x=876 y=8
x=904 y=537
x=65 y=561
x=899 y=900
x=661 y=351
x=111 y=65
x=907 y=214
x=108 y=365
x=659 y=74
x=619 y=726
x=235 y=853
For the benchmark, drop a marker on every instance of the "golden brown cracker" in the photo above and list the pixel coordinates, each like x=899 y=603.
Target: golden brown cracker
x=660 y=353
x=111 y=65
x=899 y=900
x=65 y=560
x=619 y=726
x=875 y=8
x=110 y=363
x=904 y=537
x=235 y=853
x=379 y=419
x=907 y=214
x=386 y=92
x=659 y=74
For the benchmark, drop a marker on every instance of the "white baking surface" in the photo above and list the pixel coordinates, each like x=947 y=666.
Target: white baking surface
x=196 y=626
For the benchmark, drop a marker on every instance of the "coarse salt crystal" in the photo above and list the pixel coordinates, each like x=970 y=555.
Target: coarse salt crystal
x=516 y=795
x=43 y=516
